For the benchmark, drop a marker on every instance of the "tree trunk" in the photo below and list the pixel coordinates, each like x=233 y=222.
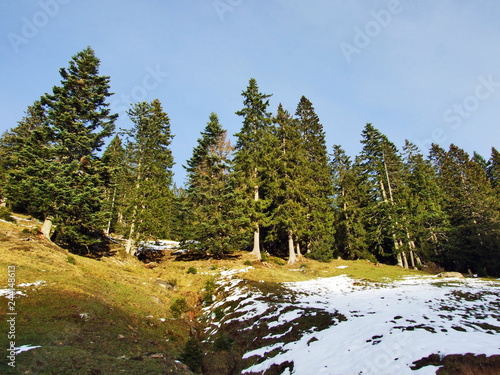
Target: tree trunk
x=111 y=213
x=256 y=233
x=299 y=254
x=405 y=260
x=128 y=248
x=130 y=241
x=291 y=249
x=412 y=259
x=400 y=259
x=47 y=227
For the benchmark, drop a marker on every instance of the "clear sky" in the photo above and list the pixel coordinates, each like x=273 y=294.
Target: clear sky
x=427 y=71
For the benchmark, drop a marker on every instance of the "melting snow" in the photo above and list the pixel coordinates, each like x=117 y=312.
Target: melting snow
x=382 y=329
x=25 y=348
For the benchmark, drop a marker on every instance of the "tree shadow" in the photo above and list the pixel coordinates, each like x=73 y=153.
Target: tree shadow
x=193 y=256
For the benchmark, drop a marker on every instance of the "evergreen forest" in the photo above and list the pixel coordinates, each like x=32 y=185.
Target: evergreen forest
x=279 y=189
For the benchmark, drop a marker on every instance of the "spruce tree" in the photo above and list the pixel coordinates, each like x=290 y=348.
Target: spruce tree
x=319 y=233
x=151 y=200
x=115 y=183
x=493 y=171
x=251 y=161
x=350 y=200
x=389 y=215
x=429 y=222
x=61 y=154
x=209 y=200
x=20 y=147
x=285 y=189
x=474 y=214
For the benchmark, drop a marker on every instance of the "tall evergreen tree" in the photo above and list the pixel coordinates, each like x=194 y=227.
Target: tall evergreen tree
x=251 y=161
x=150 y=160
x=14 y=160
x=115 y=184
x=350 y=201
x=208 y=202
x=474 y=213
x=68 y=172
x=493 y=171
x=389 y=216
x=429 y=223
x=288 y=211
x=318 y=236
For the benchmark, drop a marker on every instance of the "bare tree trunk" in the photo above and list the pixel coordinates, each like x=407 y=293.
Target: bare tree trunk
x=47 y=227
x=111 y=212
x=291 y=249
x=256 y=233
x=412 y=259
x=400 y=259
x=388 y=179
x=130 y=241
x=405 y=260
x=299 y=254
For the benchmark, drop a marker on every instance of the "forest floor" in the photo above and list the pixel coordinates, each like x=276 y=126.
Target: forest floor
x=113 y=314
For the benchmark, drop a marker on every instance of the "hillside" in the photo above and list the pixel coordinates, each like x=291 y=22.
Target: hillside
x=114 y=314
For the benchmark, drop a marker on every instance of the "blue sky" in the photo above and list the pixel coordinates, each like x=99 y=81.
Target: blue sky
x=425 y=71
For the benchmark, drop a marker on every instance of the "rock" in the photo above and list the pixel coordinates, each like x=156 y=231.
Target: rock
x=451 y=275
x=164 y=284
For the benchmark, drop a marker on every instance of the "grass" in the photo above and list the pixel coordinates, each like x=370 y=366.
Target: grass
x=112 y=315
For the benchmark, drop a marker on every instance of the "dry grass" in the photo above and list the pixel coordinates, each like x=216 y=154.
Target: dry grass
x=122 y=302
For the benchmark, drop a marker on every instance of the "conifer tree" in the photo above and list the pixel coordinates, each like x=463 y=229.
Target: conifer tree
x=390 y=217
x=209 y=200
x=429 y=222
x=115 y=183
x=251 y=161
x=14 y=159
x=150 y=161
x=350 y=201
x=319 y=232
x=493 y=171
x=285 y=189
x=62 y=153
x=474 y=214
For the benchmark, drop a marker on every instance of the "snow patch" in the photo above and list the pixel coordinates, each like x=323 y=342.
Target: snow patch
x=25 y=348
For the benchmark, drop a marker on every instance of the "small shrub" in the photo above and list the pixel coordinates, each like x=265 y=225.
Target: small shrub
x=192 y=355
x=71 y=260
x=223 y=343
x=264 y=257
x=208 y=296
x=248 y=263
x=5 y=215
x=213 y=267
x=303 y=265
x=192 y=270
x=172 y=282
x=210 y=285
x=278 y=261
x=178 y=307
x=219 y=313
x=26 y=231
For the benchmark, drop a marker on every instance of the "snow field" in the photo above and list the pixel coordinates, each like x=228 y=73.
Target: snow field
x=385 y=327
